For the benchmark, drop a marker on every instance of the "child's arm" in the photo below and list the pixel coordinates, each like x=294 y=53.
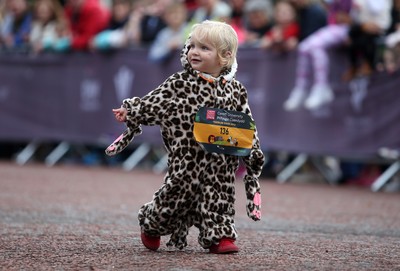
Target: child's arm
x=152 y=108
x=149 y=110
x=254 y=165
x=127 y=136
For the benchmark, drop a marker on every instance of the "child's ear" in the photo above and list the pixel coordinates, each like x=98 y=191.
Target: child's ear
x=227 y=57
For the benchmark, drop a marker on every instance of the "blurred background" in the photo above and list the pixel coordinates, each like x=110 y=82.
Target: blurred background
x=322 y=78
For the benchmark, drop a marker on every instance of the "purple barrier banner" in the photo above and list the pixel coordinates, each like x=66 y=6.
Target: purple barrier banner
x=69 y=98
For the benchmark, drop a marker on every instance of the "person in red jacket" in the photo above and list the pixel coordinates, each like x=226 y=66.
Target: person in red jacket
x=284 y=34
x=86 y=18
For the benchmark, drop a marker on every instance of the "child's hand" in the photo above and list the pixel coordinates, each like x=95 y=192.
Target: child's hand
x=120 y=114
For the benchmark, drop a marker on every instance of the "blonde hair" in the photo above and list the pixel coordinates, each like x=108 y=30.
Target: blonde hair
x=222 y=36
x=56 y=8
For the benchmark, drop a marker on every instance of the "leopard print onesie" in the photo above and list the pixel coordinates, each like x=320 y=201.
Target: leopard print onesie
x=198 y=187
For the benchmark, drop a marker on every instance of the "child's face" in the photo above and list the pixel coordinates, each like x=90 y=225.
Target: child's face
x=176 y=17
x=17 y=7
x=203 y=57
x=284 y=13
x=257 y=19
x=43 y=11
x=121 y=11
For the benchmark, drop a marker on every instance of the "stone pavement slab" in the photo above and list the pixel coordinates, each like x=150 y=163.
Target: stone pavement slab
x=79 y=218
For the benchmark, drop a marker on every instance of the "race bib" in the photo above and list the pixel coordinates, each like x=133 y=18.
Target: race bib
x=224 y=131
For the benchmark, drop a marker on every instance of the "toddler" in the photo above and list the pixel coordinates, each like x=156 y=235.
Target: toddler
x=199 y=186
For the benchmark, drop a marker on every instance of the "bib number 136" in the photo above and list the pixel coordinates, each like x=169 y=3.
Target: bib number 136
x=224 y=131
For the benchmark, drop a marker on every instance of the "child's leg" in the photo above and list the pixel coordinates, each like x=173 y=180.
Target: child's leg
x=354 y=50
x=364 y=50
x=371 y=50
x=169 y=211
x=298 y=93
x=216 y=206
x=186 y=199
x=328 y=37
x=315 y=48
x=303 y=65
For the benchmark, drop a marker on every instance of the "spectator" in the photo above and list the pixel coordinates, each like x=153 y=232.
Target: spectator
x=237 y=11
x=173 y=36
x=115 y=36
x=2 y=10
x=283 y=36
x=314 y=50
x=371 y=19
x=148 y=22
x=191 y=6
x=257 y=20
x=120 y=11
x=86 y=19
x=391 y=55
x=49 y=25
x=236 y=19
x=311 y=17
x=217 y=10
x=16 y=25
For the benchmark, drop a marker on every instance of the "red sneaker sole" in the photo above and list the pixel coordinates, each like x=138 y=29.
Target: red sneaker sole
x=150 y=242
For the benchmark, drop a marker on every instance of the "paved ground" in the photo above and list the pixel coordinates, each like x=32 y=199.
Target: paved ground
x=76 y=218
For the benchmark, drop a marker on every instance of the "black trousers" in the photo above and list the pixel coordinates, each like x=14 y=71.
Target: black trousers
x=363 y=46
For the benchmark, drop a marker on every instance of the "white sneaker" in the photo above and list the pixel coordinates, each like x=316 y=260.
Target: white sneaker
x=295 y=100
x=319 y=96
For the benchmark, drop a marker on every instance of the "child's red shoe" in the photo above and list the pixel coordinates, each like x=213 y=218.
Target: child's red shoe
x=150 y=242
x=225 y=246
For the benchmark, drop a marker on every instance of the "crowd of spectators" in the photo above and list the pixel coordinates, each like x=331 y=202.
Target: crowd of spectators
x=368 y=29
x=280 y=25
x=56 y=25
